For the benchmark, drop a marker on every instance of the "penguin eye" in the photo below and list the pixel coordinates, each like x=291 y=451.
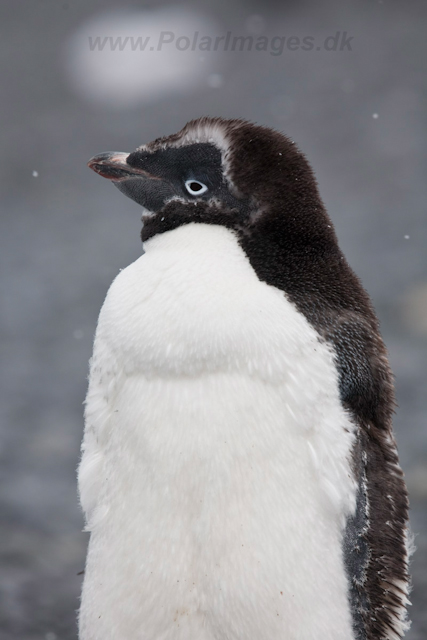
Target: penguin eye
x=195 y=188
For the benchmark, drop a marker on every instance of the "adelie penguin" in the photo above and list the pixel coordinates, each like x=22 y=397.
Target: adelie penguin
x=239 y=475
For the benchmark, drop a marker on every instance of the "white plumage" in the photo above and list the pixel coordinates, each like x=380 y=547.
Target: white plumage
x=215 y=474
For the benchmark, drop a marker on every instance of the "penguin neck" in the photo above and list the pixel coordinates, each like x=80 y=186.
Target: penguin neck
x=299 y=254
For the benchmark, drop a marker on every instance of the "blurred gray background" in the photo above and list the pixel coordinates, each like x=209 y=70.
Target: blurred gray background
x=358 y=114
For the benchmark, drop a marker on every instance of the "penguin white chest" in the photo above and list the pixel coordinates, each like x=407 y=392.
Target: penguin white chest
x=215 y=473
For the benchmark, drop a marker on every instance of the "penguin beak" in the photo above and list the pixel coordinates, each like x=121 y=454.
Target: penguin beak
x=144 y=188
x=113 y=166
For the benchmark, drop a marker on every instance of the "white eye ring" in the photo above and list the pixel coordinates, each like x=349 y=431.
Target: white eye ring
x=195 y=187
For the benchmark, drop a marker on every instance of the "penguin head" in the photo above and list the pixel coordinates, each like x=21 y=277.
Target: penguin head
x=217 y=171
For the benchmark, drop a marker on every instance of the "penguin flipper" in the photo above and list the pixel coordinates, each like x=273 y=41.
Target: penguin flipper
x=376 y=536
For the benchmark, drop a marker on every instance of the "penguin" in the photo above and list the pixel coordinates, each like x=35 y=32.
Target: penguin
x=239 y=475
